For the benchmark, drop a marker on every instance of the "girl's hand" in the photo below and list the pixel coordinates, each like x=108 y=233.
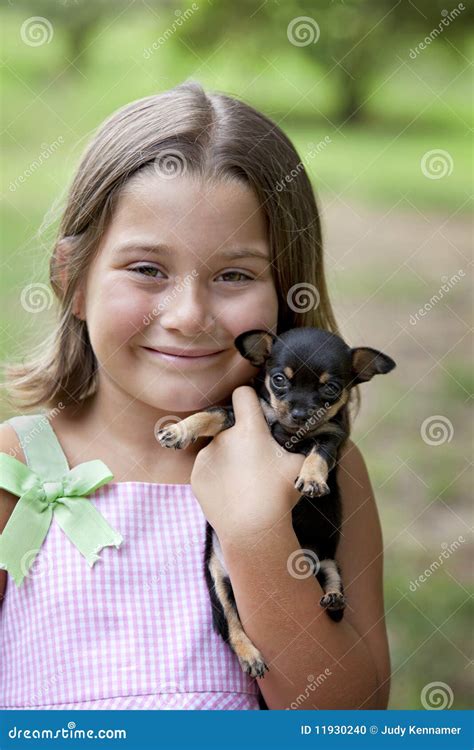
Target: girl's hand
x=243 y=479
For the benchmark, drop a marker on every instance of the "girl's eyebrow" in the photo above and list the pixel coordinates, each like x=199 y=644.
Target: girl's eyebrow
x=160 y=249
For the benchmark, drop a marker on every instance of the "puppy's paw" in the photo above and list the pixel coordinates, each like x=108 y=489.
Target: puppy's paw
x=250 y=658
x=255 y=667
x=333 y=601
x=176 y=436
x=312 y=487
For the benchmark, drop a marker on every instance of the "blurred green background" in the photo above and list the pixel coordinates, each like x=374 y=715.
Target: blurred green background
x=376 y=96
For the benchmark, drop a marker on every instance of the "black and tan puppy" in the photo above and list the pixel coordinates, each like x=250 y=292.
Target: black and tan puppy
x=304 y=380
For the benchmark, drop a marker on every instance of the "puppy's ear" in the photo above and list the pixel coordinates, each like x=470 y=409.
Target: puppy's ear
x=255 y=346
x=368 y=362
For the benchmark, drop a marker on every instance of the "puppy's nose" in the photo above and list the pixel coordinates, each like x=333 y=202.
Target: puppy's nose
x=299 y=414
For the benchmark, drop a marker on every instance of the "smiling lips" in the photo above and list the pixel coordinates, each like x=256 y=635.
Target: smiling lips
x=191 y=359
x=185 y=352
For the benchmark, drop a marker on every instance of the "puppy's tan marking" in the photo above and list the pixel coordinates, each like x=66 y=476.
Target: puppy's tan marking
x=250 y=658
x=280 y=407
x=335 y=407
x=288 y=372
x=324 y=377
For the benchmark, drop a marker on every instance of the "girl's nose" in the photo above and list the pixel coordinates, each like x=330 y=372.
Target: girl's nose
x=187 y=311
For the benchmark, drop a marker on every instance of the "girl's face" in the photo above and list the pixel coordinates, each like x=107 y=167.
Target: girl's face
x=165 y=277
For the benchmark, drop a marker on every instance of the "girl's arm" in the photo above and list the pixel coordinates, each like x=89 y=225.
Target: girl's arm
x=314 y=662
x=9 y=444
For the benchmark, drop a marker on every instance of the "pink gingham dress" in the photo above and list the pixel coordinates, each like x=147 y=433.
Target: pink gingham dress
x=133 y=632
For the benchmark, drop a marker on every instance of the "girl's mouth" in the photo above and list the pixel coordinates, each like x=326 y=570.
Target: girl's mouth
x=183 y=361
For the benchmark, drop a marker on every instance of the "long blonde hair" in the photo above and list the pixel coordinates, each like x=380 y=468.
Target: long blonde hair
x=215 y=136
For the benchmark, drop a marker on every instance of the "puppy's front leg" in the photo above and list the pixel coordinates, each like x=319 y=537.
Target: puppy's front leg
x=312 y=479
x=206 y=423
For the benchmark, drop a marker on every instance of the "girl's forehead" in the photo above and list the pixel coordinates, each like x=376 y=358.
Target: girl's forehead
x=187 y=207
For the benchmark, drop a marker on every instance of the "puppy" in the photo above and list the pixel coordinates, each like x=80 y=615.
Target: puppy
x=304 y=380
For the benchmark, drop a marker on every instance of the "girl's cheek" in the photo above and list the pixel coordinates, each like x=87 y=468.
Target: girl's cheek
x=258 y=310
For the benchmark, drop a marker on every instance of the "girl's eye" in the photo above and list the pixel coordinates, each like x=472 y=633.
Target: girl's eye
x=144 y=270
x=278 y=380
x=237 y=273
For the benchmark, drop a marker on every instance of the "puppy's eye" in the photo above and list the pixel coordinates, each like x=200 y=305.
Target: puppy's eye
x=331 y=389
x=278 y=380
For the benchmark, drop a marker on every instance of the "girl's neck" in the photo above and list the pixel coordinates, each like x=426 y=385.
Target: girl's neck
x=122 y=434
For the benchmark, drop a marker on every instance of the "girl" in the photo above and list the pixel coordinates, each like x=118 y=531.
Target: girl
x=190 y=220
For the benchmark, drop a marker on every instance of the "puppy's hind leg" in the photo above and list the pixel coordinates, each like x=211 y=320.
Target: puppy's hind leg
x=250 y=658
x=333 y=601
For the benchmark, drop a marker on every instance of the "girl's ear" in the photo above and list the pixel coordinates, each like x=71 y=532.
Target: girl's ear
x=255 y=345
x=59 y=275
x=368 y=362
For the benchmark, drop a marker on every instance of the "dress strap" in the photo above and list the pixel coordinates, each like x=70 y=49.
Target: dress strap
x=47 y=488
x=40 y=445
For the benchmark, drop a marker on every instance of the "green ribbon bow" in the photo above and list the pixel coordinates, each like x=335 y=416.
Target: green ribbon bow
x=40 y=500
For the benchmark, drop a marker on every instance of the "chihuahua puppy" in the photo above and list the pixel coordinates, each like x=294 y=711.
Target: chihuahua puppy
x=304 y=380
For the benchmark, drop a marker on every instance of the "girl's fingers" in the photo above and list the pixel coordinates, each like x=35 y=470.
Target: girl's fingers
x=247 y=409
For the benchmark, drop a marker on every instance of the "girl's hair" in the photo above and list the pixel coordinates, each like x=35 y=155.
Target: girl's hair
x=191 y=132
